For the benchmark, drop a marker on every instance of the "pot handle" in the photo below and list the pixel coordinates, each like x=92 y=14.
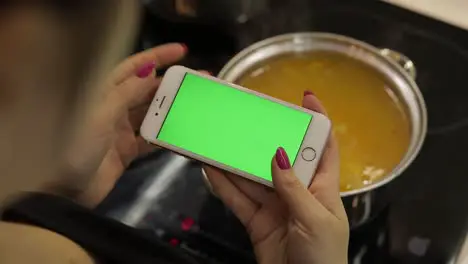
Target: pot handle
x=402 y=60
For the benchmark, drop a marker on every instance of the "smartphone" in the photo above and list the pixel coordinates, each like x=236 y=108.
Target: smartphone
x=233 y=128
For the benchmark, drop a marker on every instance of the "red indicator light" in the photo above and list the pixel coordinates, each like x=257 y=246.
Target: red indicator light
x=187 y=224
x=174 y=242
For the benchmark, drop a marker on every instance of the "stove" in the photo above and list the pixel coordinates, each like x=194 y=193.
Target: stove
x=164 y=194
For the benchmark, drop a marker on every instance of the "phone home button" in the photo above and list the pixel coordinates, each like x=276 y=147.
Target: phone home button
x=308 y=154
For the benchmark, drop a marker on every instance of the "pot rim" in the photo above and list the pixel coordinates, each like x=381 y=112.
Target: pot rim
x=416 y=143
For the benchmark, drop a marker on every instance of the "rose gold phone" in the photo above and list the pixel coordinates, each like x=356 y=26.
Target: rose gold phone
x=233 y=128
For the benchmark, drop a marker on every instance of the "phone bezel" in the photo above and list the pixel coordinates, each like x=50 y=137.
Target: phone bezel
x=316 y=136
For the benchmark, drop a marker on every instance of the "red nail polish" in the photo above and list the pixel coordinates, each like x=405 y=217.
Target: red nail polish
x=184 y=46
x=282 y=159
x=307 y=92
x=146 y=70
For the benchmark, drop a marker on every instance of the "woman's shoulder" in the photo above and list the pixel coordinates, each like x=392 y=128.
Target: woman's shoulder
x=29 y=244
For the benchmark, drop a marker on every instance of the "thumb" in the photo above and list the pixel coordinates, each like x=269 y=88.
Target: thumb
x=300 y=202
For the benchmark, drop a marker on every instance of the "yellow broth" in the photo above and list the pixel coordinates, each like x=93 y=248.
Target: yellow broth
x=369 y=121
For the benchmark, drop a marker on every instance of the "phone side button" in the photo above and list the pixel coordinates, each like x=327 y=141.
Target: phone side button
x=308 y=154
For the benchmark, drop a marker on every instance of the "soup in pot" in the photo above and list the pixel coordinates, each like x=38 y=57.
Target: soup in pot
x=369 y=121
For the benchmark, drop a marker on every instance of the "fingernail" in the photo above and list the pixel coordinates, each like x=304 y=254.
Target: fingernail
x=184 y=46
x=146 y=70
x=307 y=92
x=282 y=159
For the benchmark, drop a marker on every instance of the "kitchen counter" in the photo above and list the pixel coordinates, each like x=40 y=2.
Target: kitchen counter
x=450 y=11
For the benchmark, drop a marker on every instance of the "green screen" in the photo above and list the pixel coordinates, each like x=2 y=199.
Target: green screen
x=232 y=127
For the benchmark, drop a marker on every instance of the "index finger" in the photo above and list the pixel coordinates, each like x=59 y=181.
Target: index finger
x=162 y=55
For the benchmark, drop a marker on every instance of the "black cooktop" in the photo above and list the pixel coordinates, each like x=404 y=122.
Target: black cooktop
x=165 y=194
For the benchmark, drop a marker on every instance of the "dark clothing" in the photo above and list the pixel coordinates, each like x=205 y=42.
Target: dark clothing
x=107 y=240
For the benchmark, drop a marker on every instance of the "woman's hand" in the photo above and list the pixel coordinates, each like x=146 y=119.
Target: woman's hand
x=109 y=141
x=291 y=224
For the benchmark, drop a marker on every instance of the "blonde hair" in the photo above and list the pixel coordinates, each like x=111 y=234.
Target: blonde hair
x=52 y=60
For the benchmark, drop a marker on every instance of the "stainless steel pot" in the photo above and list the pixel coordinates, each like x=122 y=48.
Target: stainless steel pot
x=361 y=204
